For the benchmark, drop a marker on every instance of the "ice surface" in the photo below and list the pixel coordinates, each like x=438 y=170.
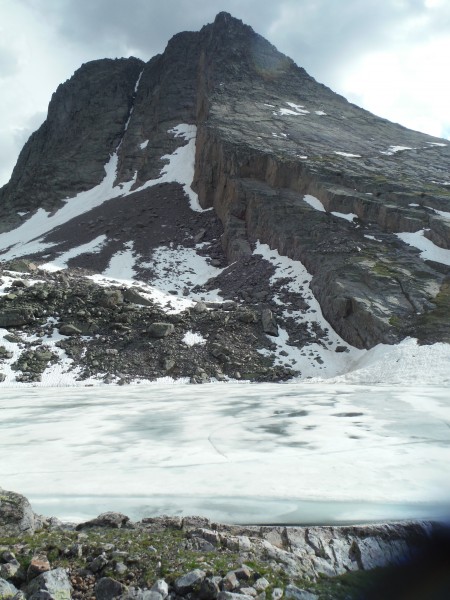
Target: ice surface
x=429 y=250
x=256 y=453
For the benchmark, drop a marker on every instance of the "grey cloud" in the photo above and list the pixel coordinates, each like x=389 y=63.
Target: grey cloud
x=320 y=35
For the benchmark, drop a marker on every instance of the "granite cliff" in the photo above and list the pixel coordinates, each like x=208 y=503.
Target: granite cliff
x=214 y=149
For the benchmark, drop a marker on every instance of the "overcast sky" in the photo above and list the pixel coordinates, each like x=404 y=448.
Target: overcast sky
x=389 y=56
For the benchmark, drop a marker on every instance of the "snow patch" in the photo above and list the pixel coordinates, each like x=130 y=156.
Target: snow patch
x=181 y=164
x=394 y=149
x=177 y=268
x=443 y=213
x=29 y=237
x=348 y=154
x=404 y=363
x=347 y=216
x=121 y=265
x=315 y=359
x=61 y=261
x=314 y=202
x=429 y=250
x=143 y=145
x=193 y=339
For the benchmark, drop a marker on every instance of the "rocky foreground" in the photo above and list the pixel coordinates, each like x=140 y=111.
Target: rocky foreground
x=175 y=558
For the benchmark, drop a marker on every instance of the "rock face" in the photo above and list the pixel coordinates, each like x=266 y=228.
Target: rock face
x=280 y=158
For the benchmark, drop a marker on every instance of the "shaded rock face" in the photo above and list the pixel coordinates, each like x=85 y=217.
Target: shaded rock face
x=84 y=125
x=267 y=135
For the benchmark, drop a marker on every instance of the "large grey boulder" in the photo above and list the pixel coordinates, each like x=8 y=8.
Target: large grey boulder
x=16 y=514
x=56 y=582
x=9 y=592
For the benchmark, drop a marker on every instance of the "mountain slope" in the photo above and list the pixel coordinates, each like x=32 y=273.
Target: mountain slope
x=277 y=161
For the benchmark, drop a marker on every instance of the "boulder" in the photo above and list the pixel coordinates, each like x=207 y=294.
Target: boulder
x=160 y=330
x=69 y=329
x=16 y=514
x=9 y=592
x=107 y=588
x=56 y=582
x=15 y=317
x=189 y=582
x=268 y=322
x=113 y=520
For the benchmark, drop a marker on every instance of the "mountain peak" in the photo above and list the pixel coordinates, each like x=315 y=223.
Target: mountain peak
x=283 y=162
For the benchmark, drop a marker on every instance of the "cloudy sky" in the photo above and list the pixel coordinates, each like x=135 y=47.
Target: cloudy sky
x=389 y=56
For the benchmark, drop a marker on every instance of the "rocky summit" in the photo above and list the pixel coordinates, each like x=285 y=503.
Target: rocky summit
x=216 y=213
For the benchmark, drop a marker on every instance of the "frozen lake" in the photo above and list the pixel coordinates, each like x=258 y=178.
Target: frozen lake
x=265 y=453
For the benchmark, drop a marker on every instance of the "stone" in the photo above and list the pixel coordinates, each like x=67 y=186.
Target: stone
x=189 y=582
x=161 y=587
x=39 y=564
x=261 y=584
x=69 y=329
x=21 y=265
x=160 y=330
x=268 y=322
x=56 y=582
x=232 y=596
x=15 y=317
x=16 y=514
x=98 y=563
x=244 y=573
x=9 y=592
x=113 y=520
x=230 y=582
x=10 y=569
x=248 y=591
x=130 y=295
x=294 y=593
x=209 y=589
x=107 y=588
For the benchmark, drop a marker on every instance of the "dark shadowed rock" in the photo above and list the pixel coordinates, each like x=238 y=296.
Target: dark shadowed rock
x=113 y=520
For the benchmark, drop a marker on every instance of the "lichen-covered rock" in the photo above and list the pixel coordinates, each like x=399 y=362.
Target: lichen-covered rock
x=16 y=514
x=189 y=582
x=113 y=520
x=56 y=582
